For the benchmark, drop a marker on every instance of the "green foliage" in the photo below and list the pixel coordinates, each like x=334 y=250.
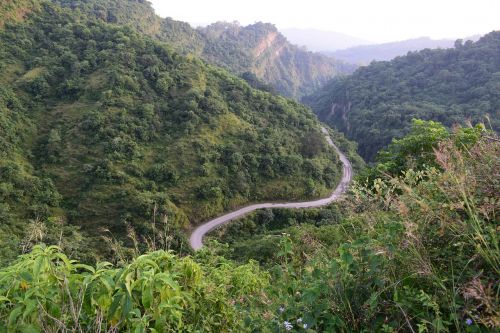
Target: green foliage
x=417 y=149
x=378 y=102
x=15 y=10
x=261 y=50
x=135 y=13
x=111 y=143
x=109 y=130
x=44 y=290
x=258 y=52
x=414 y=252
x=417 y=251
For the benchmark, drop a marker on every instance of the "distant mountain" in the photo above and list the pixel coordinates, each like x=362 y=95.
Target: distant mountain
x=378 y=102
x=364 y=54
x=262 y=50
x=321 y=40
x=259 y=49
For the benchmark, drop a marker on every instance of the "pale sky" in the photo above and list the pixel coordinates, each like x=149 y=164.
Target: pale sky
x=374 y=20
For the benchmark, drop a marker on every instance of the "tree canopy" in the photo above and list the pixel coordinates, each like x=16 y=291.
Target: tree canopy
x=107 y=130
x=379 y=101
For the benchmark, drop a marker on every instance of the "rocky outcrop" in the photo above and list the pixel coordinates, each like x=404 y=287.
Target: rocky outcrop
x=265 y=44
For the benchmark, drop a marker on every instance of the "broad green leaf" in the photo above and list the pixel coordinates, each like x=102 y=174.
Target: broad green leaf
x=140 y=328
x=86 y=267
x=37 y=267
x=30 y=307
x=14 y=314
x=30 y=329
x=147 y=297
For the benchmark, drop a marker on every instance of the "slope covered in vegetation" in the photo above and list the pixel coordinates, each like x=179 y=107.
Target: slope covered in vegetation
x=378 y=102
x=413 y=251
x=259 y=48
x=12 y=11
x=108 y=130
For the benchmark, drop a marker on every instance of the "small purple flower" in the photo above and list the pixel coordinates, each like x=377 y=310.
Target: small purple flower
x=468 y=321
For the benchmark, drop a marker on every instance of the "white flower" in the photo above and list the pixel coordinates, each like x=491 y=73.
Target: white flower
x=305 y=326
x=288 y=325
x=282 y=309
x=299 y=320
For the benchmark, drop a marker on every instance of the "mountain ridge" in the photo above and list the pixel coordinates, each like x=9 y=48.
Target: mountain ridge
x=292 y=71
x=377 y=102
x=364 y=54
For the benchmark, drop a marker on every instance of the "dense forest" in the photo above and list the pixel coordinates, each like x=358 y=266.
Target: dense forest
x=258 y=48
x=106 y=132
x=261 y=49
x=121 y=131
x=410 y=251
x=378 y=102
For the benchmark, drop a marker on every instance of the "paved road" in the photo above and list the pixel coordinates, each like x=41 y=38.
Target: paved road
x=196 y=239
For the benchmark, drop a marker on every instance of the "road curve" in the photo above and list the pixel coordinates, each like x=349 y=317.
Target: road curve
x=196 y=238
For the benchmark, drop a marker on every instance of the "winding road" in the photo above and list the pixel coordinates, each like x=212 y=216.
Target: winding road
x=196 y=238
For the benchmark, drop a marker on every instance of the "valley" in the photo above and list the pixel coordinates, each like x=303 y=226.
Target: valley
x=156 y=177
x=377 y=104
x=197 y=235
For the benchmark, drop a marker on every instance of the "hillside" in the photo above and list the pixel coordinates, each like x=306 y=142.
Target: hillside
x=417 y=251
x=106 y=132
x=378 y=102
x=140 y=16
x=117 y=140
x=259 y=48
x=12 y=11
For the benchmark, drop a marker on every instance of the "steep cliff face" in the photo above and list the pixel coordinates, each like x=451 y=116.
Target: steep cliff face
x=334 y=111
x=265 y=44
x=263 y=50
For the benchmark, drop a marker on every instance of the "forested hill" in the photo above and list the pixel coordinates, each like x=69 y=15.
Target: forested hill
x=104 y=131
x=259 y=48
x=378 y=102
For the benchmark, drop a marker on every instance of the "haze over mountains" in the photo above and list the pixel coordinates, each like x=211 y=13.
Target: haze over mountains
x=321 y=40
x=358 y=51
x=364 y=54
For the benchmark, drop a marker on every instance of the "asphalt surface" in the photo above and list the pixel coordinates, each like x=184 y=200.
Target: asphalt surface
x=196 y=238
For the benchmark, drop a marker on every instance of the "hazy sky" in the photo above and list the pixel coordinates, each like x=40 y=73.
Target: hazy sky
x=374 y=20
